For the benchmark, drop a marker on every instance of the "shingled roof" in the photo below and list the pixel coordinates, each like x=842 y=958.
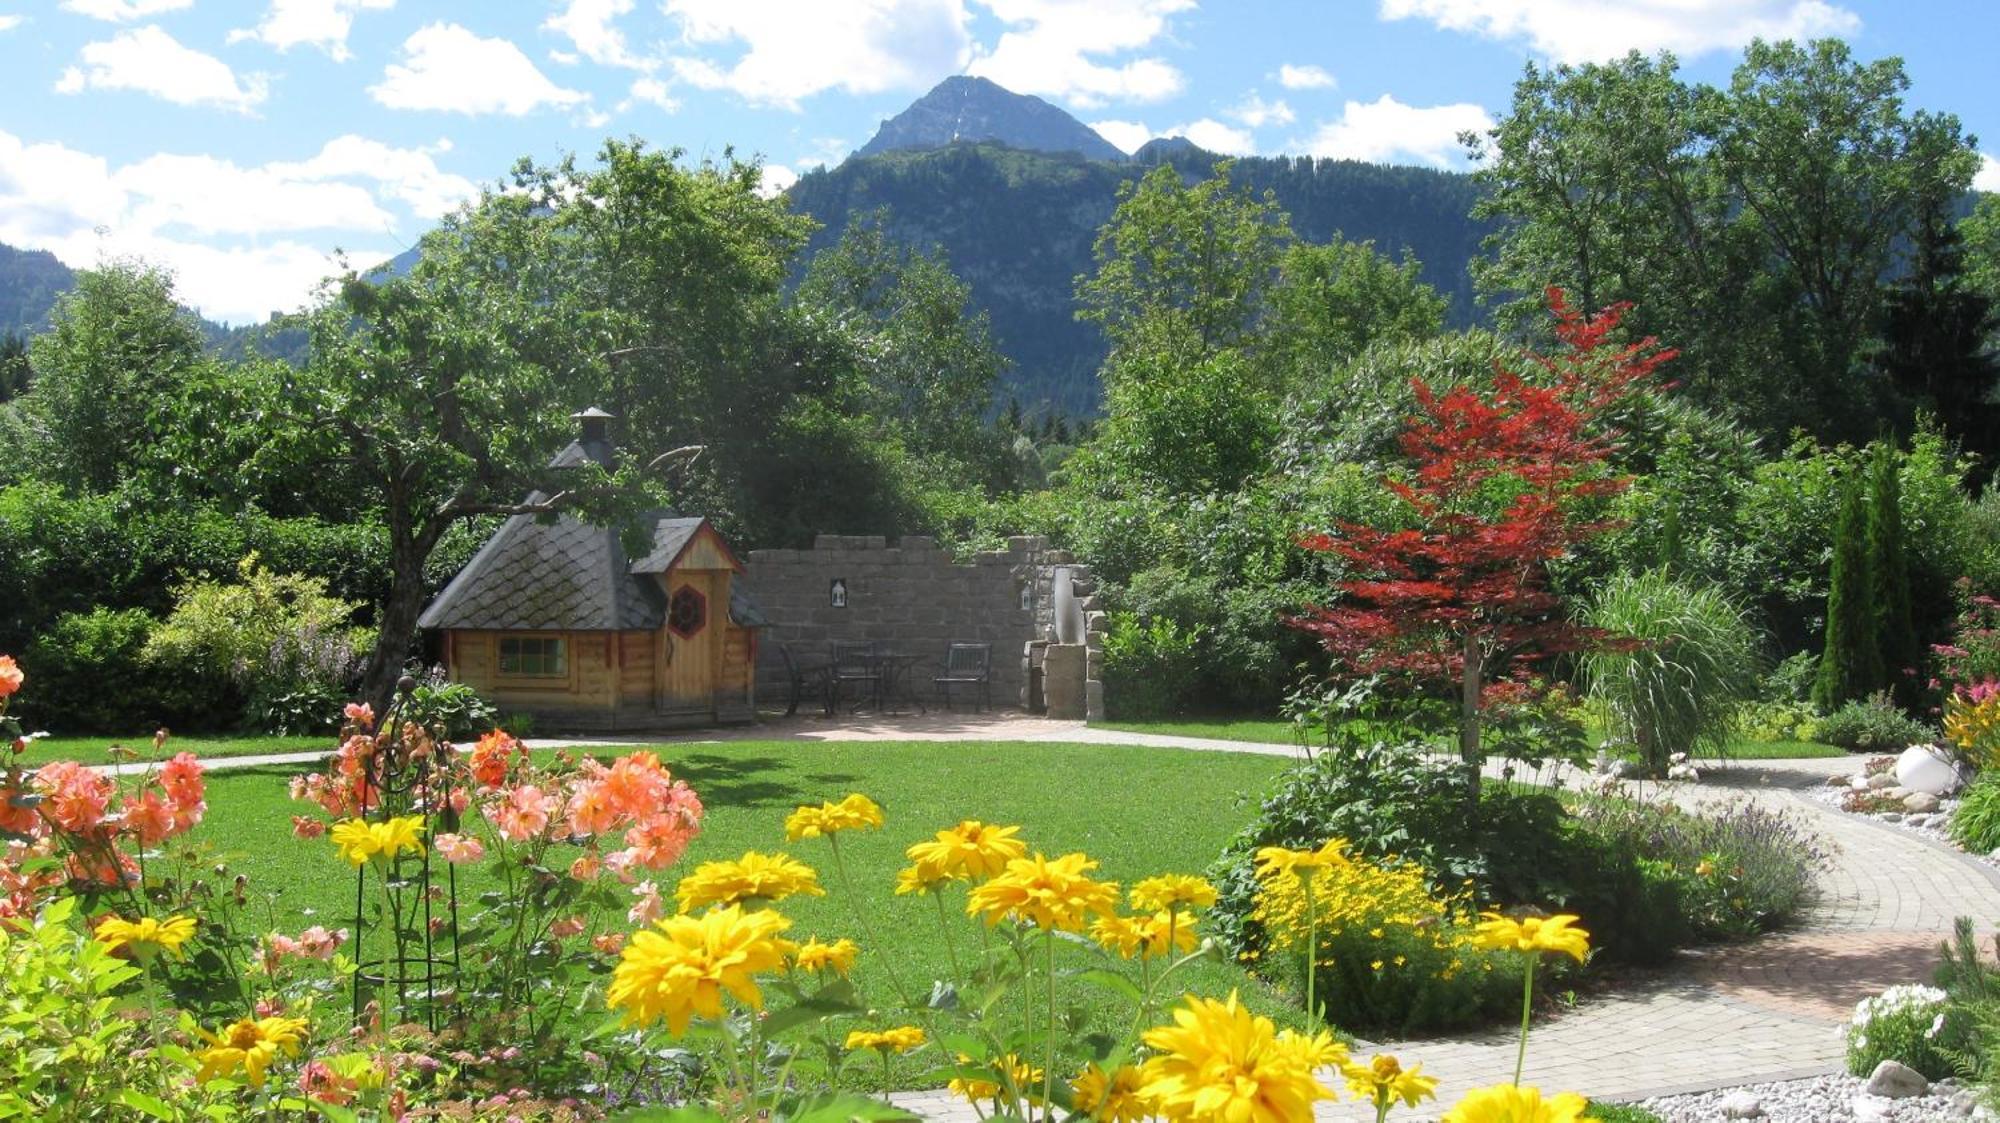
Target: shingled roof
x=568 y=575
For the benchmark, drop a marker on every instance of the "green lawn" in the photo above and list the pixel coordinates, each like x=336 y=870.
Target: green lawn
x=1139 y=811
x=1281 y=733
x=97 y=750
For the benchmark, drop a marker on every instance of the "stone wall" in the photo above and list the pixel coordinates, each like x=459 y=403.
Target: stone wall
x=911 y=596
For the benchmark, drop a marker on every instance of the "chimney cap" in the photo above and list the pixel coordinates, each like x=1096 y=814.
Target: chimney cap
x=591 y=414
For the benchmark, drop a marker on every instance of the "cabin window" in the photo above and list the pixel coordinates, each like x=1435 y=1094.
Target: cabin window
x=687 y=611
x=532 y=656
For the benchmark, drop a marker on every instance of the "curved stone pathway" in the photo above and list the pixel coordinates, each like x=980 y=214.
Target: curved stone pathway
x=1773 y=1009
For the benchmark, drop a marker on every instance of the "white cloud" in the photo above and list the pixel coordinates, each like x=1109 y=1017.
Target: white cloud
x=1305 y=77
x=315 y=23
x=1254 y=112
x=1128 y=136
x=777 y=180
x=792 y=49
x=1047 y=46
x=119 y=11
x=150 y=61
x=1987 y=178
x=1387 y=131
x=1205 y=132
x=451 y=69
x=9 y=23
x=650 y=91
x=588 y=25
x=1588 y=30
x=230 y=233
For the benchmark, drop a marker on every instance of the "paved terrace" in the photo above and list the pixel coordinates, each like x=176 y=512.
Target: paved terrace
x=1769 y=1010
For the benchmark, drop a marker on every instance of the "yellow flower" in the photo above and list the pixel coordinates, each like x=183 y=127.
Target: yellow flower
x=901 y=1039
x=147 y=937
x=1220 y=1062
x=679 y=968
x=1275 y=861
x=816 y=956
x=754 y=876
x=1508 y=1103
x=249 y=1046
x=360 y=841
x=1023 y=1078
x=852 y=813
x=1532 y=934
x=919 y=879
x=1172 y=890
x=971 y=849
x=1144 y=936
x=1112 y=1098
x=1051 y=894
x=1321 y=1050
x=1384 y=1080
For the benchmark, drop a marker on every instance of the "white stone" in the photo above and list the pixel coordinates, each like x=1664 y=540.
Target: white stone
x=1741 y=1104
x=1896 y=1080
x=1922 y=768
x=1920 y=803
x=1881 y=780
x=1869 y=1109
x=1891 y=816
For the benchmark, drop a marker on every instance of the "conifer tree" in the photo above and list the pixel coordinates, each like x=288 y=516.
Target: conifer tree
x=1889 y=579
x=1852 y=663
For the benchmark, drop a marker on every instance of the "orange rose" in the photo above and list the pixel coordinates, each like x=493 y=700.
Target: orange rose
x=10 y=676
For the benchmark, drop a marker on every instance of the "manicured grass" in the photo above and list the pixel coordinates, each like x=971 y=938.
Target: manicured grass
x=1138 y=810
x=1780 y=750
x=97 y=750
x=1262 y=731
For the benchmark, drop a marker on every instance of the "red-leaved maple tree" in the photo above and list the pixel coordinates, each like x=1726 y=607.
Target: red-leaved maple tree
x=1497 y=493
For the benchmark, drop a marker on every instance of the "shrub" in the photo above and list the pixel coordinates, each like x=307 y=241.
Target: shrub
x=454 y=707
x=1792 y=679
x=1150 y=666
x=1694 y=656
x=1742 y=869
x=1973 y=655
x=1873 y=725
x=1765 y=722
x=91 y=677
x=1914 y=1025
x=1976 y=824
x=310 y=707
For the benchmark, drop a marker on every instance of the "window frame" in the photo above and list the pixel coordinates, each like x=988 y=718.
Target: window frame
x=560 y=648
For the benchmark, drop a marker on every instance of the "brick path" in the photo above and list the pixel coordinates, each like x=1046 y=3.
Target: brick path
x=1769 y=1010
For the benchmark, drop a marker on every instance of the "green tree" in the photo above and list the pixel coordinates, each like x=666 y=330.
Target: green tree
x=1183 y=270
x=1938 y=334
x=108 y=374
x=1752 y=224
x=14 y=370
x=1851 y=665
x=1334 y=301
x=1894 y=632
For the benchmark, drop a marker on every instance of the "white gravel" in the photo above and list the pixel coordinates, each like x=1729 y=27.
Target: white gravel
x=1821 y=1099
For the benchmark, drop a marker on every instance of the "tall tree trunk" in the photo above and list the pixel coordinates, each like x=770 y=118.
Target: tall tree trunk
x=397 y=625
x=1469 y=752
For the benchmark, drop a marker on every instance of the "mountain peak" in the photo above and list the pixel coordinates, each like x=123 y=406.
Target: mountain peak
x=967 y=109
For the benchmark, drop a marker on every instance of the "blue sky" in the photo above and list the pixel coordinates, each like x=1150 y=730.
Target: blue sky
x=242 y=142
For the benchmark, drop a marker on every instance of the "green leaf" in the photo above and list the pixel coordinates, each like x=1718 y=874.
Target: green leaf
x=844 y=1107
x=690 y=1113
x=153 y=1106
x=1114 y=981
x=833 y=1000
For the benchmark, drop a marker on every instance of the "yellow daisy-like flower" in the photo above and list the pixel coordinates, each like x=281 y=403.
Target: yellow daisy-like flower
x=1147 y=937
x=971 y=849
x=1112 y=1097
x=852 y=813
x=1056 y=894
x=1532 y=934
x=1320 y=1050
x=1024 y=1077
x=1509 y=1103
x=815 y=956
x=1276 y=861
x=901 y=1039
x=249 y=1046
x=145 y=936
x=754 y=876
x=361 y=841
x=1218 y=1061
x=1172 y=890
x=679 y=968
x=1384 y=1080
x=920 y=879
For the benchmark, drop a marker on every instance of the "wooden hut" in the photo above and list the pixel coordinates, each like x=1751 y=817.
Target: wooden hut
x=552 y=618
